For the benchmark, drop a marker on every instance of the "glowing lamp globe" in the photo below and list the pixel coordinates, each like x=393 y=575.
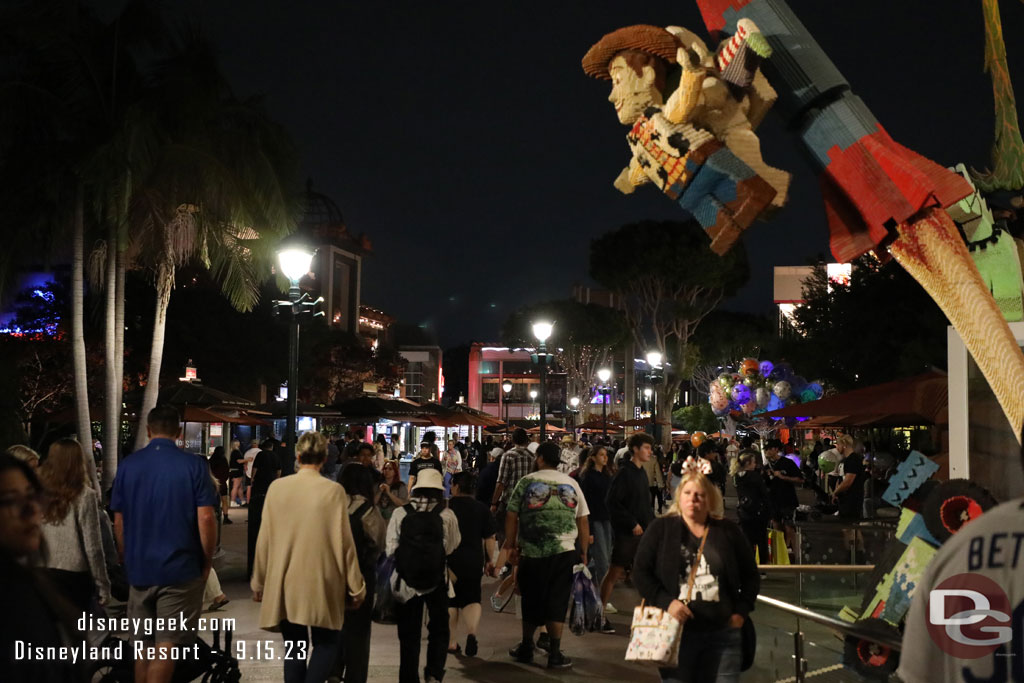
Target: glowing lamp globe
x=604 y=374
x=295 y=262
x=574 y=402
x=542 y=330
x=506 y=387
x=654 y=358
x=533 y=394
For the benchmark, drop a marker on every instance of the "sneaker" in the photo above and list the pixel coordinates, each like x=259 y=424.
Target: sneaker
x=607 y=627
x=522 y=653
x=544 y=642
x=558 y=660
x=471 y=646
x=610 y=609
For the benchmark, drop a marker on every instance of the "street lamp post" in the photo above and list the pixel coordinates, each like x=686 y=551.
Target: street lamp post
x=604 y=374
x=295 y=261
x=507 y=388
x=533 y=397
x=542 y=330
x=575 y=403
x=648 y=392
x=654 y=364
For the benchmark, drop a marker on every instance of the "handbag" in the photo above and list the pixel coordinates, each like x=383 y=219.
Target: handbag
x=655 y=634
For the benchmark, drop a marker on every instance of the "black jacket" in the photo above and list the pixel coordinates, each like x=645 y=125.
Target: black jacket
x=657 y=567
x=753 y=502
x=629 y=499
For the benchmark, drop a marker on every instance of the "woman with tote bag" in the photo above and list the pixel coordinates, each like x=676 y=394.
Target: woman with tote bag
x=692 y=551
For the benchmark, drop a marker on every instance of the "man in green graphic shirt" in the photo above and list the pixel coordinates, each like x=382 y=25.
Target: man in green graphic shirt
x=546 y=514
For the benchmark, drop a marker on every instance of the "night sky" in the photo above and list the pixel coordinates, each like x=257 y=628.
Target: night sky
x=465 y=140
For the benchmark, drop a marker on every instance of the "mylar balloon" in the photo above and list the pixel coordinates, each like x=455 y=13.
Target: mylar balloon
x=725 y=379
x=762 y=396
x=719 y=399
x=749 y=407
x=752 y=381
x=817 y=389
x=697 y=438
x=766 y=368
x=740 y=393
x=749 y=367
x=806 y=396
x=782 y=389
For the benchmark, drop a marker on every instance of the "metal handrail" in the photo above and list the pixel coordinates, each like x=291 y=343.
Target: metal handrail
x=841 y=626
x=814 y=568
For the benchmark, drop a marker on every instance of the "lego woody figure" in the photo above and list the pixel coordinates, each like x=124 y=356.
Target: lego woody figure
x=675 y=144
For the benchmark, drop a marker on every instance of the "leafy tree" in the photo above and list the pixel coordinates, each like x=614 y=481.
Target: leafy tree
x=669 y=281
x=583 y=337
x=723 y=338
x=338 y=363
x=697 y=418
x=881 y=326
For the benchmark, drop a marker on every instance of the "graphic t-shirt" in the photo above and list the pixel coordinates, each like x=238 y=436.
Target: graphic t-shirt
x=991 y=546
x=548 y=503
x=423 y=464
x=710 y=605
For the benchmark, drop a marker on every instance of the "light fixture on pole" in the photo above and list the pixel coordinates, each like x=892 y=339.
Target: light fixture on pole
x=574 y=402
x=295 y=261
x=507 y=388
x=654 y=359
x=648 y=392
x=604 y=374
x=542 y=330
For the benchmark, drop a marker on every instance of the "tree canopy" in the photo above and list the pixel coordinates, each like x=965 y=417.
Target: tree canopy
x=582 y=337
x=880 y=327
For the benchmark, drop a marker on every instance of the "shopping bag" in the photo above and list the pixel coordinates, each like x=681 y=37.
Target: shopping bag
x=593 y=608
x=577 y=610
x=384 y=602
x=777 y=541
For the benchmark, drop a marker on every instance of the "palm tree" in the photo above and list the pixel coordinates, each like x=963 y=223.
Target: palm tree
x=76 y=75
x=217 y=188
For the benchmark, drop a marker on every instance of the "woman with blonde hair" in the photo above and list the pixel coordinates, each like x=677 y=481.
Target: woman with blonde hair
x=25 y=454
x=306 y=570
x=693 y=544
x=72 y=526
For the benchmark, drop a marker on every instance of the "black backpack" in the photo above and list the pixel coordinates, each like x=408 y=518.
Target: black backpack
x=420 y=558
x=366 y=551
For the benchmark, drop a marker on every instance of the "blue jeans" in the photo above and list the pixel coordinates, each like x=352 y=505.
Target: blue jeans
x=321 y=655
x=707 y=657
x=601 y=550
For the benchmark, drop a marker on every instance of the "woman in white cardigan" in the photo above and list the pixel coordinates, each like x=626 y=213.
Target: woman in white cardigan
x=306 y=571
x=71 y=526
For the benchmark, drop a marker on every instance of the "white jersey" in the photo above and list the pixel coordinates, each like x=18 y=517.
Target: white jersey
x=991 y=546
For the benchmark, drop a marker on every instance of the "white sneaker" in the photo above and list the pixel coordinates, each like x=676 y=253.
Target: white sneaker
x=610 y=609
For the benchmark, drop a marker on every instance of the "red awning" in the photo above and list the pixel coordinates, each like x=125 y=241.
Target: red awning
x=922 y=399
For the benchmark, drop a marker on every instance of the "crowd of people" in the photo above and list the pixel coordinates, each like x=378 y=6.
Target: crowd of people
x=526 y=512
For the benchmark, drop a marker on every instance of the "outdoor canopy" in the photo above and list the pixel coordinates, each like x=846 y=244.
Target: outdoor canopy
x=922 y=399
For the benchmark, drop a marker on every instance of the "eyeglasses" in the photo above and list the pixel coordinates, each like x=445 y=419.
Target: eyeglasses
x=538 y=493
x=21 y=504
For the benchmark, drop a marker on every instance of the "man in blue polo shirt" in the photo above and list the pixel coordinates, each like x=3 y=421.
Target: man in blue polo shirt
x=165 y=520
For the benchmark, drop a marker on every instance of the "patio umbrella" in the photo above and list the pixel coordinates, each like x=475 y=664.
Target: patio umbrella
x=638 y=422
x=547 y=428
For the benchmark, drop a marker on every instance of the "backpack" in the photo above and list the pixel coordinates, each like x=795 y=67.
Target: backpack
x=366 y=551
x=420 y=558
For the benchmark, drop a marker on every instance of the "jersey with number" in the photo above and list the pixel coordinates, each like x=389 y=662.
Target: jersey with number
x=992 y=546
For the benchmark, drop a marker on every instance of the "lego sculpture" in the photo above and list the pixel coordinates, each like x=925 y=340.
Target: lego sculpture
x=694 y=140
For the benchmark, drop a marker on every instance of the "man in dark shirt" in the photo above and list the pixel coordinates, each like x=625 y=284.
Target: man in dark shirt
x=784 y=475
x=849 y=493
x=425 y=460
x=265 y=469
x=629 y=504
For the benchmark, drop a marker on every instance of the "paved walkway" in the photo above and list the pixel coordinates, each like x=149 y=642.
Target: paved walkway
x=596 y=656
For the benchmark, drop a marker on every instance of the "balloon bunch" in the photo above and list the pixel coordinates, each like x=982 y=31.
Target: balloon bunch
x=759 y=387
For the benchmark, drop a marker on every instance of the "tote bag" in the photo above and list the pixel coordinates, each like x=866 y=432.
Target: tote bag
x=654 y=633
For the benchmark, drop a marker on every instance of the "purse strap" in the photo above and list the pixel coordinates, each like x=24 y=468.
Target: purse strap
x=696 y=564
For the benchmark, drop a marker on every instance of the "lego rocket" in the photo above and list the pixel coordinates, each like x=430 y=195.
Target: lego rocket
x=878 y=194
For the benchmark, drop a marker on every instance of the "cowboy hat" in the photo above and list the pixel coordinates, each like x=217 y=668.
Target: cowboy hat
x=428 y=479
